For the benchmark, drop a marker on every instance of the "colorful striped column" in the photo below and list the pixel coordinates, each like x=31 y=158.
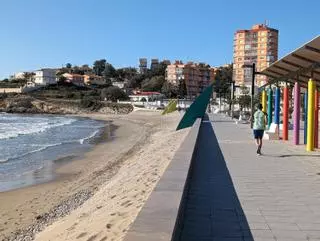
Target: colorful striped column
x=285 y=111
x=316 y=119
x=296 y=114
x=270 y=97
x=305 y=118
x=264 y=101
x=310 y=132
x=277 y=106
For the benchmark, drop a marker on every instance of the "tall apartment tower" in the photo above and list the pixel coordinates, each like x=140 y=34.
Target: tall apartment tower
x=143 y=65
x=258 y=45
x=154 y=64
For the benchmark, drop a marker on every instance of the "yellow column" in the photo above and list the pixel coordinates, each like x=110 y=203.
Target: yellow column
x=264 y=101
x=310 y=131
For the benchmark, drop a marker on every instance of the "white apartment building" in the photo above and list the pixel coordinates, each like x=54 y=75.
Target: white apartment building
x=45 y=77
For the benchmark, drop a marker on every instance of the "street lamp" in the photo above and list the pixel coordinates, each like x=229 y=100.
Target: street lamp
x=254 y=72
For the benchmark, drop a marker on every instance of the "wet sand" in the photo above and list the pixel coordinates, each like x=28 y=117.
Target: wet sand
x=100 y=194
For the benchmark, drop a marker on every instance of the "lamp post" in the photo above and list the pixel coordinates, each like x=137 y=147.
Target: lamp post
x=232 y=98
x=254 y=72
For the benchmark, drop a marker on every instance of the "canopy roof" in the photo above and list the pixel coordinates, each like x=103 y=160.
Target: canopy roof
x=297 y=66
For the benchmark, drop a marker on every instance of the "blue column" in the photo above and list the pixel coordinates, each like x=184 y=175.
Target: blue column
x=277 y=107
x=305 y=117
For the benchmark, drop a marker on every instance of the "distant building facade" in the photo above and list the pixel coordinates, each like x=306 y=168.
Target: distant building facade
x=145 y=96
x=119 y=84
x=45 y=77
x=93 y=80
x=194 y=76
x=154 y=64
x=143 y=65
x=258 y=45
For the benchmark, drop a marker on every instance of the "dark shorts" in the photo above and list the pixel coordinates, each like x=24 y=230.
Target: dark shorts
x=258 y=134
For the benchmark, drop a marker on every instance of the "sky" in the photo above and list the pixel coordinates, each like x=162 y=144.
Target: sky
x=50 y=33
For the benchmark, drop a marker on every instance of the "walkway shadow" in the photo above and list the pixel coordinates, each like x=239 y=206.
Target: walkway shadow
x=291 y=155
x=211 y=209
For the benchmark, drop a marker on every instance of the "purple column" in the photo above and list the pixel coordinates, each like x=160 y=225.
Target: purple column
x=296 y=113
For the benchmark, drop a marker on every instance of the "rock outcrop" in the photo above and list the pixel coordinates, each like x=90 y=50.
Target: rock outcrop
x=27 y=104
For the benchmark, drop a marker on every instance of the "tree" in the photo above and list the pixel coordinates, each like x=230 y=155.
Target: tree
x=169 y=90
x=126 y=73
x=86 y=69
x=68 y=66
x=77 y=70
x=109 y=72
x=153 y=84
x=223 y=80
x=28 y=77
x=113 y=93
x=135 y=82
x=182 y=89
x=99 y=66
x=244 y=101
x=159 y=70
x=61 y=80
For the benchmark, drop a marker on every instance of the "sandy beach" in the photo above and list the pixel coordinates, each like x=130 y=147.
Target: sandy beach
x=98 y=196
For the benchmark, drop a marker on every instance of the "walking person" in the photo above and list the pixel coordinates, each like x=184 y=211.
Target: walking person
x=258 y=127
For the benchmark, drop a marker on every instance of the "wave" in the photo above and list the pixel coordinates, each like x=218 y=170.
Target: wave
x=93 y=134
x=15 y=129
x=44 y=147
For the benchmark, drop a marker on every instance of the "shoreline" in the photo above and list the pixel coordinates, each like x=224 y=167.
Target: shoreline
x=39 y=199
x=82 y=179
x=48 y=172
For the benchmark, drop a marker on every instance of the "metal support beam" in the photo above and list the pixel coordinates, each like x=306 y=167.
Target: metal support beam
x=293 y=74
x=307 y=47
x=310 y=61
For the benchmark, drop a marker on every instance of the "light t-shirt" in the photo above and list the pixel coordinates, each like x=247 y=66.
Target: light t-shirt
x=259 y=120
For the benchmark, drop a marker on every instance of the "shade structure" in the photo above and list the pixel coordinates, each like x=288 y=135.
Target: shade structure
x=299 y=65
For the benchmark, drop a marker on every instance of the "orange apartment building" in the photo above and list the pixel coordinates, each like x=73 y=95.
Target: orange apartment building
x=258 y=45
x=195 y=76
x=76 y=79
x=93 y=80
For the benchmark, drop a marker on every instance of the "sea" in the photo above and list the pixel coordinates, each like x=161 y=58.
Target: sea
x=32 y=145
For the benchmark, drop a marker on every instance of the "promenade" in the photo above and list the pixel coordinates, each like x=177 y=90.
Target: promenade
x=236 y=195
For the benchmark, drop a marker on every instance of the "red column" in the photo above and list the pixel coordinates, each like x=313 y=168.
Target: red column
x=285 y=113
x=316 y=119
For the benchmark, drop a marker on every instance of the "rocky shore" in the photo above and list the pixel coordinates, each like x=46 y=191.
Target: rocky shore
x=30 y=105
